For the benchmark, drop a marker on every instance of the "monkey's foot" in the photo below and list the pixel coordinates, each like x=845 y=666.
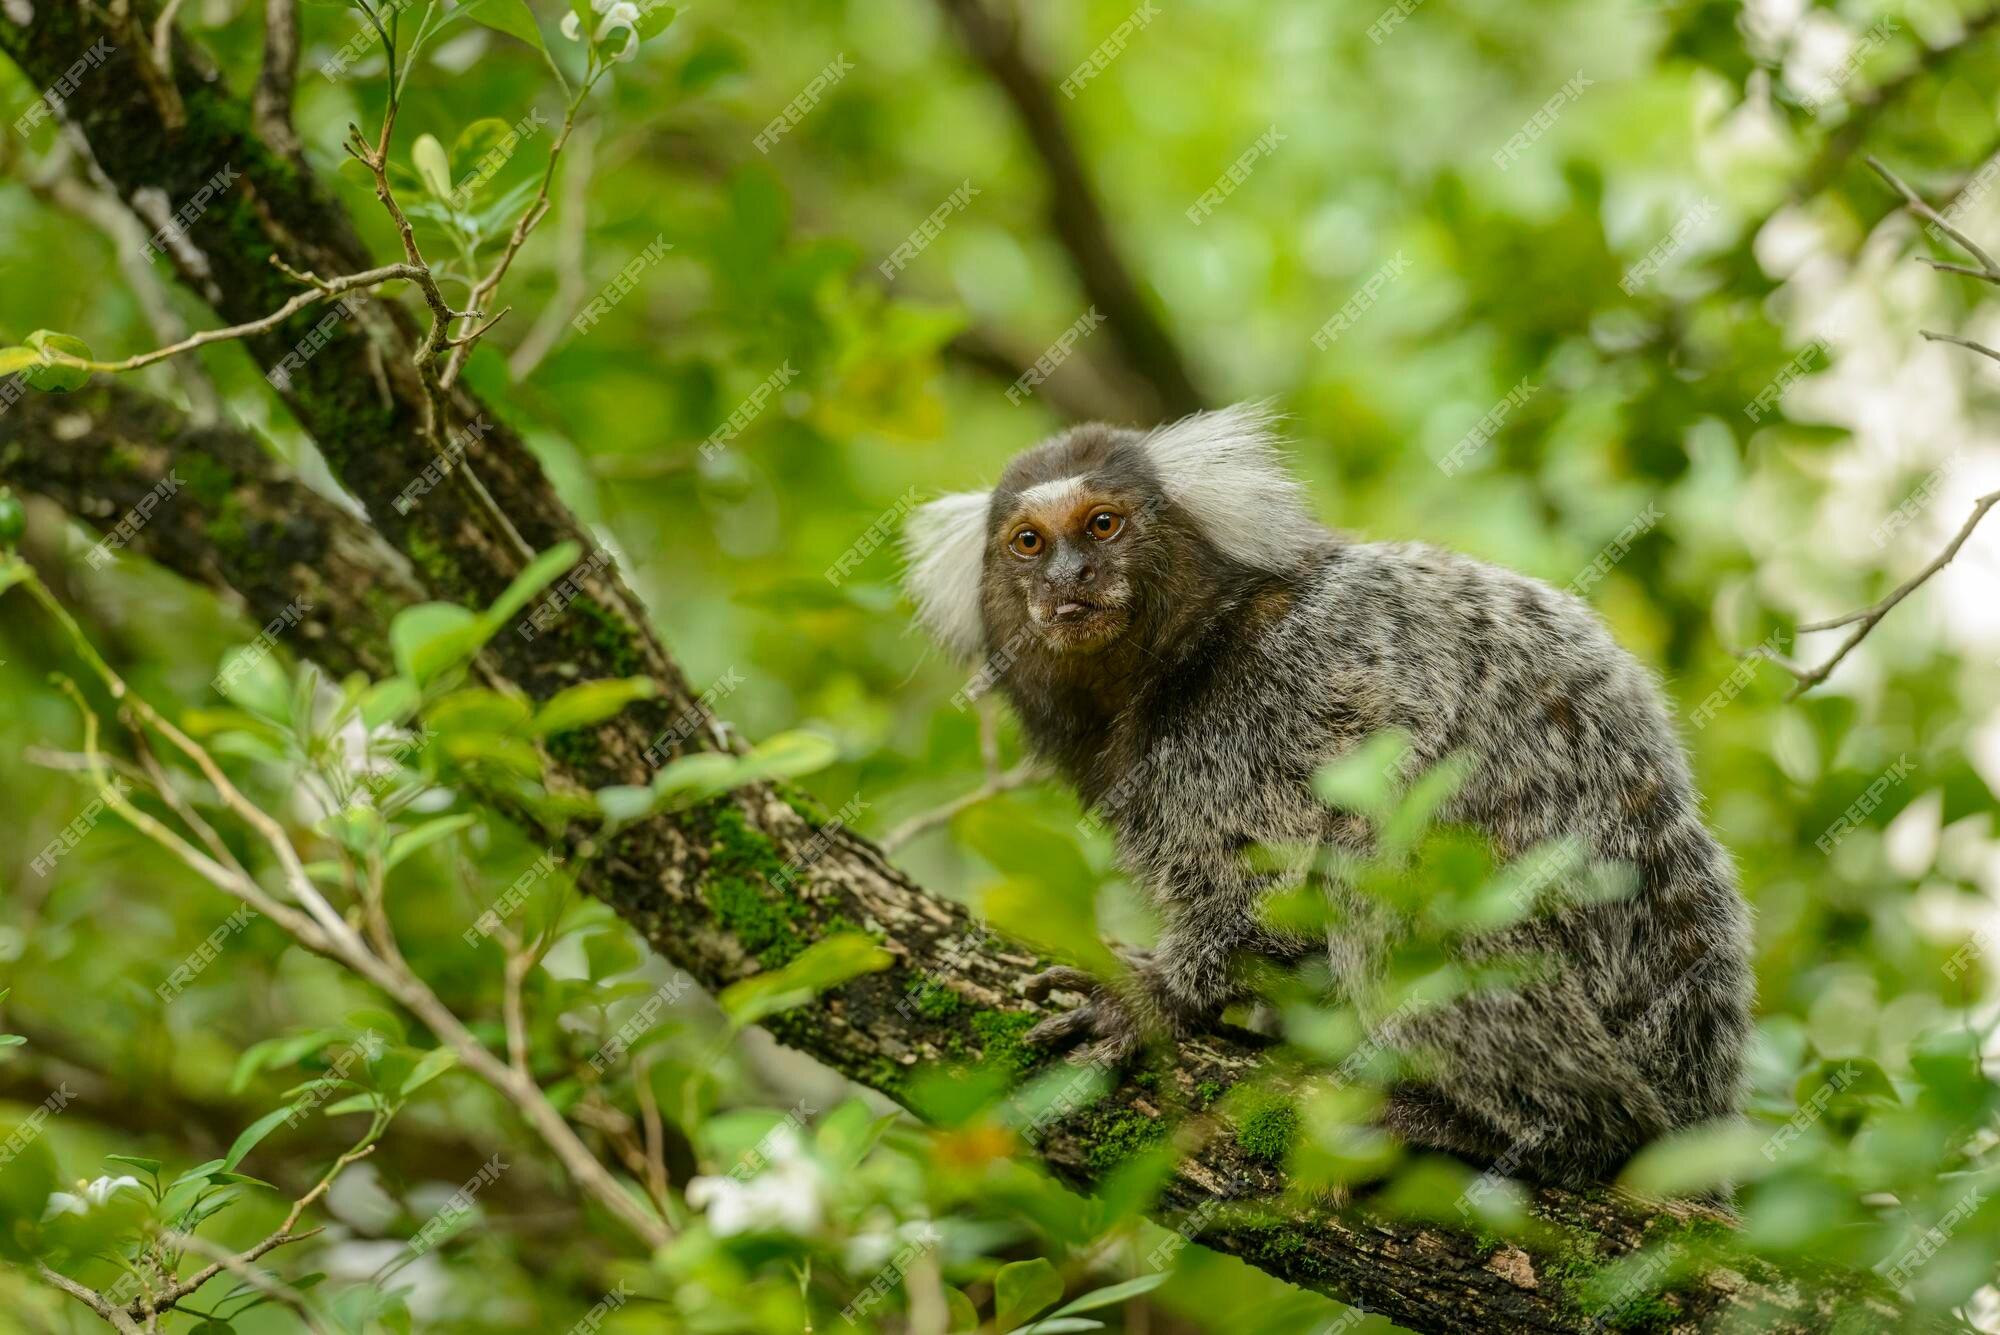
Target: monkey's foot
x=1105 y=1017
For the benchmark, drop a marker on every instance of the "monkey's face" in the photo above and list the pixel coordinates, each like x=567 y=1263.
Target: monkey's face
x=1063 y=558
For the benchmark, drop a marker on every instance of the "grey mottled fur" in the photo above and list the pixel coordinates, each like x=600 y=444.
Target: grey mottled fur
x=1207 y=676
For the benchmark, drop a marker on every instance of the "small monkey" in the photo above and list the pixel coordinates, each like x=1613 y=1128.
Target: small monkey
x=1187 y=645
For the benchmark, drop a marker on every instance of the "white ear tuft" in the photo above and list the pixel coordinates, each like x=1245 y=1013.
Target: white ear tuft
x=1225 y=469
x=945 y=545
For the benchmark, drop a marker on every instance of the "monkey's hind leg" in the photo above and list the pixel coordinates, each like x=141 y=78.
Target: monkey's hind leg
x=1525 y=1079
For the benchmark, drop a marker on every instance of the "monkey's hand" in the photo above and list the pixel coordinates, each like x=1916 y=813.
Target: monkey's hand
x=1118 y=1017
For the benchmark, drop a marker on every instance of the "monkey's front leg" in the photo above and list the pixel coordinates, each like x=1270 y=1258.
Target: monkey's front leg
x=1169 y=992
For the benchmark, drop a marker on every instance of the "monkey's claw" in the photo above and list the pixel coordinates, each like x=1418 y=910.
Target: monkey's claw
x=1103 y=1017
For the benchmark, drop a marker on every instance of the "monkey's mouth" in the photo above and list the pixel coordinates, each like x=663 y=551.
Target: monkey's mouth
x=1074 y=623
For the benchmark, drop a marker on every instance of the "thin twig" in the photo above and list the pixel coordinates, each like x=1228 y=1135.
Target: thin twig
x=1915 y=203
x=271 y=1287
x=332 y=287
x=1867 y=618
x=571 y=234
x=1020 y=776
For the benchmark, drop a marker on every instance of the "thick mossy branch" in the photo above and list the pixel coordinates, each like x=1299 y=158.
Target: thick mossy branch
x=700 y=886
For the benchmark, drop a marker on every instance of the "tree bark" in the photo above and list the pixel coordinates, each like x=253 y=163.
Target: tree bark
x=707 y=889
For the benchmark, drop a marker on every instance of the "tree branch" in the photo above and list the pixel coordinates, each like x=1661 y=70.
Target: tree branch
x=271 y=103
x=1074 y=210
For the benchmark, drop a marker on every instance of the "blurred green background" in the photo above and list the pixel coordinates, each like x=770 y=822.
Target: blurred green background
x=1725 y=141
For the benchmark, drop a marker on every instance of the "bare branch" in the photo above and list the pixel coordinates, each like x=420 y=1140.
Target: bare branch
x=1074 y=210
x=271 y=101
x=332 y=287
x=1914 y=202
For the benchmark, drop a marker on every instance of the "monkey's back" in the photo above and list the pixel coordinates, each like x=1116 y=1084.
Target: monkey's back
x=1566 y=733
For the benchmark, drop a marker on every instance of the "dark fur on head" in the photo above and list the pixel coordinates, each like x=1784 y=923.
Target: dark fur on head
x=1152 y=599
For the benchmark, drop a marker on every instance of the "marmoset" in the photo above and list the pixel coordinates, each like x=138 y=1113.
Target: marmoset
x=1186 y=645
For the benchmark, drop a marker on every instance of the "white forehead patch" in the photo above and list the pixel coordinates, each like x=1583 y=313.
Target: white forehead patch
x=944 y=543
x=1226 y=470
x=1064 y=490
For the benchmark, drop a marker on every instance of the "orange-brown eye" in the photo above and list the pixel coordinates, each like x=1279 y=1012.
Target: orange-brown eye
x=1026 y=543
x=1105 y=524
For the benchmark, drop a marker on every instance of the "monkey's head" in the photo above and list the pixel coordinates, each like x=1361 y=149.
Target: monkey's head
x=1104 y=534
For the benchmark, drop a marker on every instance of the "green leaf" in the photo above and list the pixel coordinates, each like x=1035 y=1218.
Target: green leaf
x=475 y=141
x=431 y=638
x=477 y=710
x=1110 y=1294
x=435 y=1063
x=52 y=378
x=423 y=836
x=151 y=1167
x=17 y=359
x=589 y=703
x=537 y=575
x=509 y=16
x=823 y=965
x=252 y=678
x=253 y=1133
x=653 y=20
x=389 y=701
x=433 y=165
x=693 y=779
x=357 y=1103
x=624 y=803
x=1022 y=1289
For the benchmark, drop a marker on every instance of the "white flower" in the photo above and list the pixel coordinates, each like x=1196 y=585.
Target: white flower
x=94 y=1193
x=617 y=14
x=784 y=1198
